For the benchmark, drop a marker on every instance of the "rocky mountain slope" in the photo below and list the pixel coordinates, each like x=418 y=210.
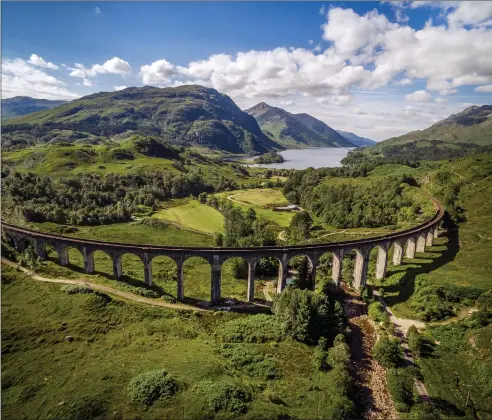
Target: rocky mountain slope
x=23 y=105
x=295 y=130
x=185 y=115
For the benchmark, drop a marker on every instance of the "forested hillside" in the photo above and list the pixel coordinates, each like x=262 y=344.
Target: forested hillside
x=186 y=115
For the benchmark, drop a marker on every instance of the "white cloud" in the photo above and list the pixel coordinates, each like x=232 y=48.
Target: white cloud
x=418 y=96
x=114 y=66
x=446 y=92
x=475 y=13
x=287 y=103
x=120 y=87
x=38 y=61
x=311 y=42
x=157 y=73
x=322 y=9
x=98 y=11
x=19 y=78
x=485 y=88
x=441 y=100
x=404 y=82
x=88 y=83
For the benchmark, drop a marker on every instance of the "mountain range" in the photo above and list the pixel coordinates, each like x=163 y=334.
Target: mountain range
x=295 y=130
x=185 y=115
x=357 y=140
x=23 y=105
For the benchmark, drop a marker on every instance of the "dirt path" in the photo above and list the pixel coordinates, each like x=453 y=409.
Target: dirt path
x=373 y=400
x=266 y=290
x=105 y=289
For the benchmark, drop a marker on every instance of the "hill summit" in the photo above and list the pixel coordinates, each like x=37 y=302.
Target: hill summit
x=185 y=115
x=295 y=130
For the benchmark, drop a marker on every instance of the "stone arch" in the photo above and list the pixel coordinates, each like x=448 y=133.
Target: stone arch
x=131 y=266
x=197 y=274
x=421 y=240
x=265 y=272
x=396 y=251
x=75 y=257
x=378 y=259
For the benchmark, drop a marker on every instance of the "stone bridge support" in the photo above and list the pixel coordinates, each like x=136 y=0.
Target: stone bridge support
x=421 y=242
x=436 y=231
x=361 y=266
x=180 y=282
x=283 y=269
x=62 y=252
x=88 y=256
x=382 y=261
x=336 y=267
x=429 y=239
x=411 y=247
x=397 y=252
x=117 y=266
x=215 y=292
x=313 y=259
x=147 y=261
x=39 y=248
x=251 y=279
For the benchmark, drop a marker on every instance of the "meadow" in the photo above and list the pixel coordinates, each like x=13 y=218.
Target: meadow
x=96 y=344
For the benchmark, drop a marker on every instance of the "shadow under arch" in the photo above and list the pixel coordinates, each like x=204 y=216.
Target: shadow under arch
x=103 y=264
x=75 y=259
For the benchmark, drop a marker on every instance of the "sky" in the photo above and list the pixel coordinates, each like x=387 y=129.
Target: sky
x=377 y=69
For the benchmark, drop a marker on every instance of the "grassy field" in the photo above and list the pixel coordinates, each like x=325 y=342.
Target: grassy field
x=193 y=215
x=258 y=199
x=45 y=375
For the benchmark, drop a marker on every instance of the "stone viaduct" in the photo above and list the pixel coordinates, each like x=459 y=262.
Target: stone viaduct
x=409 y=241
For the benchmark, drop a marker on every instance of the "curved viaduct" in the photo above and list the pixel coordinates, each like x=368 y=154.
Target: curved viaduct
x=411 y=240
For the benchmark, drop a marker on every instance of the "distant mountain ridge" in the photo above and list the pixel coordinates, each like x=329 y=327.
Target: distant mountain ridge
x=295 y=130
x=472 y=125
x=186 y=115
x=24 y=105
x=357 y=140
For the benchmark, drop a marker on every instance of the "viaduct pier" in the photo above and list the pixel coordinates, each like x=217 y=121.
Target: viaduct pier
x=407 y=241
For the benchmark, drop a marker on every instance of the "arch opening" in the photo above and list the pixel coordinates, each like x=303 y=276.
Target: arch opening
x=266 y=275
x=197 y=273
x=165 y=276
x=300 y=272
x=75 y=259
x=235 y=273
x=103 y=264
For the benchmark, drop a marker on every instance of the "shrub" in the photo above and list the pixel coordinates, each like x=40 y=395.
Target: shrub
x=415 y=341
x=376 y=312
x=318 y=359
x=306 y=315
x=72 y=290
x=400 y=386
x=387 y=352
x=82 y=408
x=338 y=355
x=146 y=292
x=425 y=411
x=224 y=396
x=250 y=360
x=252 y=329
x=152 y=222
x=149 y=387
x=168 y=299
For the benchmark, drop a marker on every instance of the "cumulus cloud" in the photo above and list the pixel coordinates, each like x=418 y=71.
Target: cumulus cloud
x=158 y=73
x=114 y=66
x=287 y=103
x=38 y=61
x=120 y=87
x=418 y=96
x=20 y=78
x=475 y=13
x=441 y=100
x=366 y=51
x=485 y=88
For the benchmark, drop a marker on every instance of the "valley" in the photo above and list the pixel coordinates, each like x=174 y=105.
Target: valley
x=254 y=318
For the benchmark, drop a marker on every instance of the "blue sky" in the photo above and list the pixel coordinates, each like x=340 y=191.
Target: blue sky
x=396 y=66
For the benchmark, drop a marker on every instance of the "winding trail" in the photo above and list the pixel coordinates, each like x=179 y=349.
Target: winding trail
x=105 y=289
x=266 y=290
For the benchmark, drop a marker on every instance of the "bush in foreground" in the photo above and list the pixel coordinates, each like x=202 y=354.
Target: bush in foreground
x=400 y=386
x=252 y=329
x=149 y=387
x=223 y=396
x=387 y=352
x=248 y=359
x=72 y=290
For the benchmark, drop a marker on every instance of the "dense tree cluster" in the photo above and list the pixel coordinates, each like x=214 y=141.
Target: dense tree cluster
x=89 y=199
x=371 y=204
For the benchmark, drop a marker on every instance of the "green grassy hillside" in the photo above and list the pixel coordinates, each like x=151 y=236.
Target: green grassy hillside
x=186 y=115
x=23 y=105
